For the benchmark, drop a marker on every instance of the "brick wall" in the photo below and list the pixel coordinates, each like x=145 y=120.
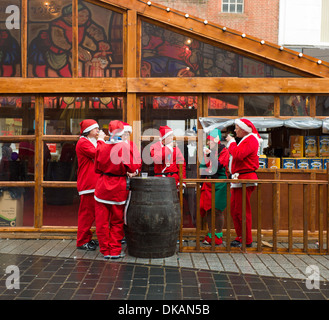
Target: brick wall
x=260 y=18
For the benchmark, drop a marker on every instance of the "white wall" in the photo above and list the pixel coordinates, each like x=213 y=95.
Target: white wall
x=300 y=22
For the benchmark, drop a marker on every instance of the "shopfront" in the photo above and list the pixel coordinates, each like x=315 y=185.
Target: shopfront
x=136 y=61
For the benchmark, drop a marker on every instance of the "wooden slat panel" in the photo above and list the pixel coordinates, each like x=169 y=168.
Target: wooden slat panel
x=305 y=217
x=228 y=218
x=244 y=224
x=213 y=217
x=259 y=218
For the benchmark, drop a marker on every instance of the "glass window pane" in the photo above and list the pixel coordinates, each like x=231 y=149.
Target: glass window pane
x=16 y=207
x=60 y=161
x=259 y=105
x=322 y=106
x=294 y=106
x=239 y=8
x=170 y=54
x=10 y=39
x=178 y=112
x=240 y=1
x=60 y=207
x=49 y=38
x=232 y=7
x=100 y=41
x=64 y=114
x=17 y=161
x=223 y=105
x=17 y=116
x=225 y=7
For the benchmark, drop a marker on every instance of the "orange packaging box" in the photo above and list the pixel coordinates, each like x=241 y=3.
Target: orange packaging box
x=274 y=163
x=297 y=146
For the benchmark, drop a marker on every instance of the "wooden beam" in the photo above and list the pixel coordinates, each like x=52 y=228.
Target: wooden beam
x=63 y=85
x=229 y=85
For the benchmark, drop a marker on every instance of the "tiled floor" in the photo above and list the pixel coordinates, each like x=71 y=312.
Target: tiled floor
x=55 y=270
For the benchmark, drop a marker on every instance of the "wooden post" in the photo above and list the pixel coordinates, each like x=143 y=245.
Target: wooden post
x=198 y=218
x=75 y=40
x=24 y=38
x=244 y=224
x=321 y=210
x=259 y=217
x=275 y=213
x=327 y=198
x=290 y=214
x=228 y=218
x=38 y=165
x=181 y=207
x=213 y=213
x=305 y=217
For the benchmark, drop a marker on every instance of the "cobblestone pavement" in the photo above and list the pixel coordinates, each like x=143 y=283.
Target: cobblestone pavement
x=55 y=269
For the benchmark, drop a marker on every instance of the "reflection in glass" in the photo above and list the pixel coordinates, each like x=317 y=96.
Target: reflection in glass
x=64 y=114
x=60 y=207
x=223 y=105
x=10 y=39
x=17 y=161
x=178 y=112
x=100 y=41
x=16 y=116
x=259 y=105
x=169 y=54
x=322 y=105
x=294 y=106
x=49 y=38
x=61 y=162
x=16 y=207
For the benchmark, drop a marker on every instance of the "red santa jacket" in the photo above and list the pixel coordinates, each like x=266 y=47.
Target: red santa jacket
x=166 y=160
x=113 y=161
x=244 y=158
x=87 y=177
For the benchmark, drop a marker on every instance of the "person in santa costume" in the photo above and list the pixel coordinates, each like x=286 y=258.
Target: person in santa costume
x=167 y=156
x=213 y=166
x=86 y=182
x=244 y=161
x=115 y=161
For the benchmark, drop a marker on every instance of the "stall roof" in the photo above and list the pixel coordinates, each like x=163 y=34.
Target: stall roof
x=304 y=123
x=227 y=38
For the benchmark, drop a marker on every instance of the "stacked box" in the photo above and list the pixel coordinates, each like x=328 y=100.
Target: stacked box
x=296 y=146
x=311 y=146
x=288 y=163
x=324 y=146
x=302 y=163
x=262 y=162
x=315 y=163
x=274 y=163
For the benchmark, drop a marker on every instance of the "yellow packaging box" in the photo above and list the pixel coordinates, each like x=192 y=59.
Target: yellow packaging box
x=297 y=146
x=273 y=163
x=311 y=146
x=323 y=146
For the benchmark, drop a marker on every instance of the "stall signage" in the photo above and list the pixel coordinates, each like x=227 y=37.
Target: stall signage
x=13 y=20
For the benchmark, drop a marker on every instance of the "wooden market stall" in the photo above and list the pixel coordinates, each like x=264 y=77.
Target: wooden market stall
x=143 y=63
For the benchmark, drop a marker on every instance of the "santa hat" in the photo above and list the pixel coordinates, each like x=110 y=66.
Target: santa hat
x=116 y=128
x=215 y=135
x=88 y=125
x=248 y=126
x=165 y=131
x=127 y=127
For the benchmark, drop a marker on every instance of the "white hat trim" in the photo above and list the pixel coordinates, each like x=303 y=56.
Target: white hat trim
x=243 y=126
x=93 y=126
x=166 y=135
x=120 y=133
x=128 y=128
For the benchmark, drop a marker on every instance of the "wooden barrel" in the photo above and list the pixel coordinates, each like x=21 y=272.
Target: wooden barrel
x=153 y=218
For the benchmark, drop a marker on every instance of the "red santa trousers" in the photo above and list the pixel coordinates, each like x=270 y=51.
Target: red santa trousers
x=86 y=218
x=109 y=228
x=236 y=212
